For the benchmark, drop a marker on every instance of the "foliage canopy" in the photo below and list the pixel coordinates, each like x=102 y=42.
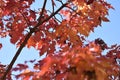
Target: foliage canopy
x=60 y=34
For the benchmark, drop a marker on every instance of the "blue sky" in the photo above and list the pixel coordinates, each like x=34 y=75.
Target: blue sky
x=109 y=32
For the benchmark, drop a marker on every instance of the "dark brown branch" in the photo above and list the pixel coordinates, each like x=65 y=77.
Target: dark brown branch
x=43 y=8
x=16 y=56
x=53 y=14
x=25 y=41
x=73 y=10
x=60 y=1
x=53 y=9
x=57 y=19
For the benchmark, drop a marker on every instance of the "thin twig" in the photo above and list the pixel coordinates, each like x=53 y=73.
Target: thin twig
x=53 y=9
x=73 y=10
x=43 y=9
x=60 y=1
x=57 y=19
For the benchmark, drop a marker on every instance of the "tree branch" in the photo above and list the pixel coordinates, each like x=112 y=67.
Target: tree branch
x=53 y=4
x=27 y=37
x=43 y=8
x=53 y=14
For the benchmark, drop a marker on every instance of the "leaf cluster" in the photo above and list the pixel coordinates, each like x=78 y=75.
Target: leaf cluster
x=59 y=34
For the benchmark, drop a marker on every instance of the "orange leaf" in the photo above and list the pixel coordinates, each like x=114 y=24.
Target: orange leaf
x=44 y=49
x=105 y=19
x=46 y=65
x=101 y=74
x=84 y=30
x=31 y=42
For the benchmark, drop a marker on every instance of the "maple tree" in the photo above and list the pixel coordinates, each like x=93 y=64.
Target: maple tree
x=65 y=26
